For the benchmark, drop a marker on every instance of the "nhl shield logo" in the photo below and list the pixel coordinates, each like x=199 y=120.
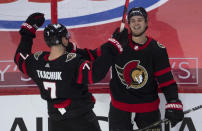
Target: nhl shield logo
x=133 y=75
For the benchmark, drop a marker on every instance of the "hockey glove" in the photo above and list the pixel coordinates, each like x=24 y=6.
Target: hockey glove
x=33 y=22
x=116 y=47
x=174 y=112
x=122 y=37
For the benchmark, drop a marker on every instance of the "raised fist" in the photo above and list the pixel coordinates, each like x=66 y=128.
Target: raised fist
x=33 y=22
x=122 y=37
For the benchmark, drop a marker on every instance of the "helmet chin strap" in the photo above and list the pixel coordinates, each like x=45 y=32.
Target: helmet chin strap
x=140 y=33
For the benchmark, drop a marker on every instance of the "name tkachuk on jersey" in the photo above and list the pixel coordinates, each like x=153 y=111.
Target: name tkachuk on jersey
x=49 y=75
x=133 y=75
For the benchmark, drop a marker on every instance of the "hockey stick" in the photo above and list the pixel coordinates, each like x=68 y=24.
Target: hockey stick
x=166 y=120
x=124 y=15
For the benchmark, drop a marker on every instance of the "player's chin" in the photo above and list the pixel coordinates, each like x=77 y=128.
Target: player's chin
x=136 y=34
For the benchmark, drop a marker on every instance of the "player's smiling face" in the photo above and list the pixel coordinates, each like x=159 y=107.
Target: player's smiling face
x=137 y=25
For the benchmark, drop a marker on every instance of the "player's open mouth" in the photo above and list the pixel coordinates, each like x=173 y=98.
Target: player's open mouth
x=137 y=28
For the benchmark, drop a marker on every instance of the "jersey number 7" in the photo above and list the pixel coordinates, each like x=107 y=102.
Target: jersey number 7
x=52 y=87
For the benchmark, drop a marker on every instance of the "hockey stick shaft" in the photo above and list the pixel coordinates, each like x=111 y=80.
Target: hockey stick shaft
x=193 y=109
x=166 y=120
x=124 y=15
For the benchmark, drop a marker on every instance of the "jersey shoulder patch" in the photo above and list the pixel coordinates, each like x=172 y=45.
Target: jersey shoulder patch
x=160 y=45
x=37 y=55
x=70 y=56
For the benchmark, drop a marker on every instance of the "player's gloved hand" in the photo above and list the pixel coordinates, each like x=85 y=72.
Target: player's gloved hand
x=114 y=45
x=122 y=37
x=119 y=39
x=174 y=112
x=33 y=22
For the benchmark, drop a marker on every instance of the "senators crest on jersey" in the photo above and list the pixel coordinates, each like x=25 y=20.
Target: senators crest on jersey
x=133 y=75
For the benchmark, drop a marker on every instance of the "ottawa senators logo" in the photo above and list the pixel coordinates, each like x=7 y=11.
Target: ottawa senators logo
x=132 y=74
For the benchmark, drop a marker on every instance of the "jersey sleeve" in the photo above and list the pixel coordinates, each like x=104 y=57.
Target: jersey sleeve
x=87 y=54
x=111 y=46
x=23 y=53
x=93 y=71
x=163 y=74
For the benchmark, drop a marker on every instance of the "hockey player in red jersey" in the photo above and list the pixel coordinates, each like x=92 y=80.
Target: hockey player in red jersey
x=138 y=73
x=62 y=76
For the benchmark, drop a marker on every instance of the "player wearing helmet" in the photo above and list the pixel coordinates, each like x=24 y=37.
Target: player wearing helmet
x=62 y=76
x=137 y=74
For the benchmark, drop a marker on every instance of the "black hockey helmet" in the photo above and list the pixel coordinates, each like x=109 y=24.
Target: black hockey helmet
x=53 y=34
x=137 y=11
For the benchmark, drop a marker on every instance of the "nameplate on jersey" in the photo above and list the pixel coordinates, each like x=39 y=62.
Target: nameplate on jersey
x=50 y=75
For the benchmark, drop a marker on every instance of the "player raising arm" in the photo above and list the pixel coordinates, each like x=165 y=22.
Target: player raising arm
x=61 y=76
x=138 y=73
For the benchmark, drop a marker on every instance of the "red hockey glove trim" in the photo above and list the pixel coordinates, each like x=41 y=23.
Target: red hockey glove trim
x=115 y=43
x=29 y=27
x=175 y=106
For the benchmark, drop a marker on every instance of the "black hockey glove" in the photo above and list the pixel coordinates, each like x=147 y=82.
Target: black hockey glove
x=174 y=112
x=114 y=45
x=33 y=22
x=122 y=37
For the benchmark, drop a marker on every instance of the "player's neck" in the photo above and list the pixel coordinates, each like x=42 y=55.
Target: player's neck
x=56 y=51
x=140 y=39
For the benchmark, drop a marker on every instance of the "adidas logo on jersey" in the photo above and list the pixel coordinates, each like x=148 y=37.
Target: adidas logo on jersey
x=47 y=65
